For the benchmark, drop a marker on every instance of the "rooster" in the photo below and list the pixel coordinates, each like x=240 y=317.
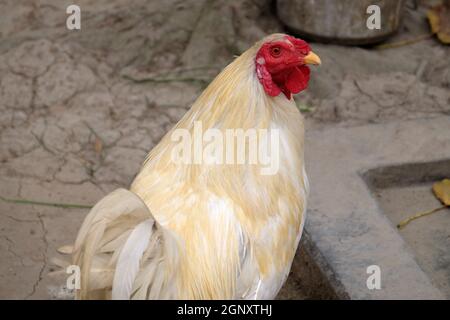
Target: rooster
x=209 y=231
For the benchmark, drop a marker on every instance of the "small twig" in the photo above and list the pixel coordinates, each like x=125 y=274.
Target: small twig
x=404 y=42
x=403 y=223
x=48 y=204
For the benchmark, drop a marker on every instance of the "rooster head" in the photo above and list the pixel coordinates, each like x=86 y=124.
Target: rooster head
x=281 y=65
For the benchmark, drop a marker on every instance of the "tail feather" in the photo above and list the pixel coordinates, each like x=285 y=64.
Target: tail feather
x=112 y=245
x=129 y=260
x=65 y=250
x=144 y=279
x=122 y=251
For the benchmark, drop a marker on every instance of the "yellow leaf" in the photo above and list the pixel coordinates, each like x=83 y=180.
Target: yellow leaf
x=439 y=18
x=441 y=190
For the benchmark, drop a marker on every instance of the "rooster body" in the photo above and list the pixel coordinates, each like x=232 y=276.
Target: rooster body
x=206 y=231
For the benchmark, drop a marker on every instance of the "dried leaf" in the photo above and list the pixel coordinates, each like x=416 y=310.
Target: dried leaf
x=439 y=18
x=441 y=190
x=98 y=145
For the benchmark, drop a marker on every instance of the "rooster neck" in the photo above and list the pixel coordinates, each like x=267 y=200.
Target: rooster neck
x=236 y=99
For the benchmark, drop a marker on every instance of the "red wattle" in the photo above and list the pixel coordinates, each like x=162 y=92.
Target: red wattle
x=289 y=82
x=298 y=79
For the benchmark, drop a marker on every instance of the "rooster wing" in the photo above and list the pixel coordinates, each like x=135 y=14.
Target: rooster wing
x=121 y=250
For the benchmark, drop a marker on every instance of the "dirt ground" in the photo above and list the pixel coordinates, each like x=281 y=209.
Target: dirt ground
x=79 y=110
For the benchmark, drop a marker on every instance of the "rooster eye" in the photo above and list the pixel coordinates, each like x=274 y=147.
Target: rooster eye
x=276 y=51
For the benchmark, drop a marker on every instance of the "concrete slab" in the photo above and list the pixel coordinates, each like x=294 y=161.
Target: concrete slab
x=345 y=221
x=405 y=190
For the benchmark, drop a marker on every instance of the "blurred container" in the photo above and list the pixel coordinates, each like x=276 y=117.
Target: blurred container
x=339 y=21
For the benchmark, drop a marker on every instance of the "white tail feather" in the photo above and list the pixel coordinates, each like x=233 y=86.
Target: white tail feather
x=129 y=260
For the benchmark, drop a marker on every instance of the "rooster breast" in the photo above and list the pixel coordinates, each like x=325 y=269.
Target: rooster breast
x=237 y=230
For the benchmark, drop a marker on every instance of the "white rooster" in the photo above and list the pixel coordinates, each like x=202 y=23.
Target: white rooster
x=210 y=231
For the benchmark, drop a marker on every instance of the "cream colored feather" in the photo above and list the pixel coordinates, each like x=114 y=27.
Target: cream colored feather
x=193 y=231
x=129 y=260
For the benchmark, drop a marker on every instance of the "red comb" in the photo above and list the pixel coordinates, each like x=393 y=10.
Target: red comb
x=299 y=43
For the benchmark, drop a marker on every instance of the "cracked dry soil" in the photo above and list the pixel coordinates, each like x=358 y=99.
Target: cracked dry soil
x=79 y=110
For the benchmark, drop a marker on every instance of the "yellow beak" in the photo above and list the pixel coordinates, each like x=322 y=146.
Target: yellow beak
x=312 y=58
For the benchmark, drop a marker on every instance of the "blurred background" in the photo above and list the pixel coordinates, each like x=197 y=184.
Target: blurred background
x=80 y=109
